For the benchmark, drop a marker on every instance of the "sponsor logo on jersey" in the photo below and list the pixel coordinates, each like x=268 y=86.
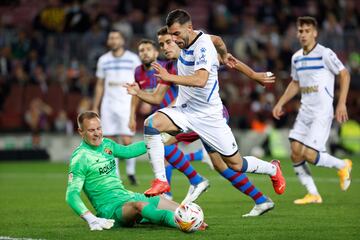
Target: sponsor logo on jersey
x=107 y=168
x=108 y=151
x=202 y=59
x=309 y=89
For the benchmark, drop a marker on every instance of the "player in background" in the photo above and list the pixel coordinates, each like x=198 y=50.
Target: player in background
x=114 y=69
x=313 y=70
x=145 y=78
x=199 y=108
x=92 y=169
x=172 y=51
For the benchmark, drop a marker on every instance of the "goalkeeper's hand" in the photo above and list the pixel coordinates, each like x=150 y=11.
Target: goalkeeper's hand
x=96 y=223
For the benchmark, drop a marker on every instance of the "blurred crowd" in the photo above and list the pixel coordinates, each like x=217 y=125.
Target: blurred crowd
x=49 y=50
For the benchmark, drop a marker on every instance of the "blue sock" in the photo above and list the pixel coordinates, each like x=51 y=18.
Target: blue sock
x=242 y=183
x=177 y=159
x=195 y=156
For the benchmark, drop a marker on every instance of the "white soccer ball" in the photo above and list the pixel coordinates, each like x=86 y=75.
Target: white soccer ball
x=189 y=217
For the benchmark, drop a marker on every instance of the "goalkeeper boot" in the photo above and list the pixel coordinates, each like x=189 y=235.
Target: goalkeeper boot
x=157 y=187
x=260 y=209
x=345 y=175
x=309 y=198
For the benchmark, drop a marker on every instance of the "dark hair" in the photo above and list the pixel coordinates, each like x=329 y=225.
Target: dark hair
x=177 y=16
x=147 y=41
x=306 y=20
x=117 y=31
x=86 y=115
x=162 y=31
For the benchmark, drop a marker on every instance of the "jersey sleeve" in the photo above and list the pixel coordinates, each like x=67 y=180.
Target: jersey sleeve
x=100 y=73
x=294 y=75
x=203 y=57
x=332 y=62
x=137 y=75
x=129 y=151
x=76 y=179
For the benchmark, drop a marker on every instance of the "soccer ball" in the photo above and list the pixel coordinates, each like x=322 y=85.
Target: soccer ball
x=189 y=217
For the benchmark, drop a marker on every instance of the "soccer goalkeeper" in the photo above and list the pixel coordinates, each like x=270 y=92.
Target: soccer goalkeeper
x=92 y=168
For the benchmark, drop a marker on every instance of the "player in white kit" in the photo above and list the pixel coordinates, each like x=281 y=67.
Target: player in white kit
x=313 y=70
x=114 y=69
x=198 y=108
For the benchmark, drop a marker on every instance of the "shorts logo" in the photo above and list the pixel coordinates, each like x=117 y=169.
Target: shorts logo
x=233 y=145
x=108 y=151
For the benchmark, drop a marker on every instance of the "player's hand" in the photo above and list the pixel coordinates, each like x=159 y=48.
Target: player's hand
x=132 y=88
x=101 y=223
x=277 y=111
x=96 y=223
x=132 y=124
x=229 y=60
x=264 y=77
x=161 y=72
x=341 y=113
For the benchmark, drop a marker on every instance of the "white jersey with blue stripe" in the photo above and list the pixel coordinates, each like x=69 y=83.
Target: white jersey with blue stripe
x=116 y=71
x=198 y=101
x=315 y=73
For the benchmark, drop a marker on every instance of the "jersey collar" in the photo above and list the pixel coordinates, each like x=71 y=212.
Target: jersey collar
x=196 y=38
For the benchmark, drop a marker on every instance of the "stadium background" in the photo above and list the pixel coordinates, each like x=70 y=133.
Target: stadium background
x=49 y=49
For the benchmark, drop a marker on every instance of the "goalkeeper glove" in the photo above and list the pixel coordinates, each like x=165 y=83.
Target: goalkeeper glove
x=96 y=223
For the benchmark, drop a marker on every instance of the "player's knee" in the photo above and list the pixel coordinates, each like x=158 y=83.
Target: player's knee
x=310 y=155
x=296 y=156
x=138 y=206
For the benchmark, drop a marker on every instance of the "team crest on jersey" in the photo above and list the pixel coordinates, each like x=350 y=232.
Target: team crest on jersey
x=108 y=151
x=70 y=177
x=202 y=59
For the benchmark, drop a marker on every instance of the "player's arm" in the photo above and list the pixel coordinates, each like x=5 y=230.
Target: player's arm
x=198 y=79
x=290 y=92
x=133 y=107
x=341 y=111
x=129 y=151
x=99 y=90
x=76 y=181
x=260 y=77
x=153 y=98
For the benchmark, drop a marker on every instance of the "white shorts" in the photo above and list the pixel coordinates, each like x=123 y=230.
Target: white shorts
x=115 y=121
x=214 y=131
x=311 y=131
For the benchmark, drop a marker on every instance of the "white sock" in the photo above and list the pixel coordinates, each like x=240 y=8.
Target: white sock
x=256 y=165
x=303 y=173
x=326 y=160
x=130 y=166
x=156 y=153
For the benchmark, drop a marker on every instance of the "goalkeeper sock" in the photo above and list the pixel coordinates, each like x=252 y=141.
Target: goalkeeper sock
x=241 y=182
x=178 y=160
x=158 y=216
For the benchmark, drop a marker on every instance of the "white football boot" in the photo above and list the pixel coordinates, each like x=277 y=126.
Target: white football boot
x=195 y=191
x=261 y=208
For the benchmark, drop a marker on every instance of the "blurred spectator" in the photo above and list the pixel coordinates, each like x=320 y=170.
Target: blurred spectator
x=20 y=46
x=19 y=75
x=5 y=62
x=51 y=18
x=62 y=123
x=40 y=78
x=37 y=118
x=32 y=62
x=76 y=19
x=84 y=105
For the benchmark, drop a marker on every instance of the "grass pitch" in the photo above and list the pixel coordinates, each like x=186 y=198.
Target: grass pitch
x=32 y=205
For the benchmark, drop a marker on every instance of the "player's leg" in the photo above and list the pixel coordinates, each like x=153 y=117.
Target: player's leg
x=153 y=126
x=131 y=162
x=180 y=161
x=303 y=173
x=315 y=151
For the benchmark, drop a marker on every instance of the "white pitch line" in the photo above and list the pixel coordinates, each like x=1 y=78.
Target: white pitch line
x=11 y=238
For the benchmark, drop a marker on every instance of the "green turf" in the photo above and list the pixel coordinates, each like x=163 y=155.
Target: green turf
x=32 y=205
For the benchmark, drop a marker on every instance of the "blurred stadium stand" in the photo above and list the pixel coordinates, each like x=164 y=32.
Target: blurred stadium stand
x=46 y=54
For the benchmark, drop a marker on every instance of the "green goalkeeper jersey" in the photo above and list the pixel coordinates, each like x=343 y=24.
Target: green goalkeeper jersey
x=93 y=169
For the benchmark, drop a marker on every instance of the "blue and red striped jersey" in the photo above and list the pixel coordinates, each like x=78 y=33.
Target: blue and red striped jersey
x=148 y=82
